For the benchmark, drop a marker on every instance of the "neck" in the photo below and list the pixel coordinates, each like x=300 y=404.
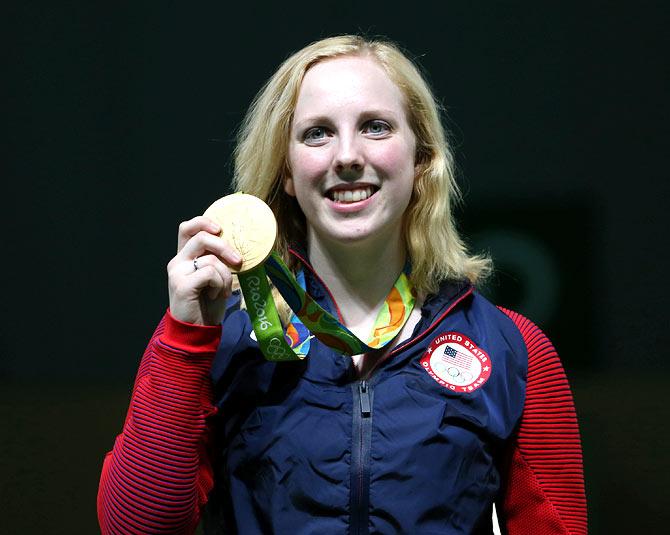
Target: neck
x=359 y=275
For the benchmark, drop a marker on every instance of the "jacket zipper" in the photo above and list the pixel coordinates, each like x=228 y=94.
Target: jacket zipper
x=360 y=462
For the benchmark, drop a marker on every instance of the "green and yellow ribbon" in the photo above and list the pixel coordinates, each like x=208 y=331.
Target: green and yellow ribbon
x=310 y=317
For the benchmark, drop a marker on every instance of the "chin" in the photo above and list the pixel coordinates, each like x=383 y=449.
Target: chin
x=356 y=233
x=358 y=237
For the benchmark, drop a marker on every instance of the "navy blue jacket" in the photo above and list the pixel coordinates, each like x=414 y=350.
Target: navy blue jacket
x=306 y=447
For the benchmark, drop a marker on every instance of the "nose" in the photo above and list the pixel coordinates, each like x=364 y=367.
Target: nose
x=349 y=155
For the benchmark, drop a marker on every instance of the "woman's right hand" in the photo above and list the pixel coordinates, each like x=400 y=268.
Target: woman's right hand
x=199 y=288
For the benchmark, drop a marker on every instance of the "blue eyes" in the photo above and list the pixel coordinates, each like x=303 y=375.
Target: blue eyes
x=375 y=128
x=315 y=134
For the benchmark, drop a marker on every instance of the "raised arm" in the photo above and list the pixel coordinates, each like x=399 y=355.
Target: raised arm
x=544 y=483
x=157 y=477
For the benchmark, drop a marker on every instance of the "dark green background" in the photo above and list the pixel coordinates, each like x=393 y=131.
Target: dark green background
x=120 y=125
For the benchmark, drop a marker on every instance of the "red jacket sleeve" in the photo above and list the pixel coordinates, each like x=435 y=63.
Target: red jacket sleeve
x=544 y=483
x=158 y=475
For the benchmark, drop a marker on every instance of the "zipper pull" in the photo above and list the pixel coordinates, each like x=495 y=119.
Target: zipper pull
x=365 y=398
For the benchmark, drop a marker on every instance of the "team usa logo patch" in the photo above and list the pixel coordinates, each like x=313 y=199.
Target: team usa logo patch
x=455 y=362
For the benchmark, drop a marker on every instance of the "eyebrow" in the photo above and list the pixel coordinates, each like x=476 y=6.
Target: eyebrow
x=365 y=116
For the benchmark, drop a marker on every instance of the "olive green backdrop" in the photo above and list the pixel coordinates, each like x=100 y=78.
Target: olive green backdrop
x=121 y=122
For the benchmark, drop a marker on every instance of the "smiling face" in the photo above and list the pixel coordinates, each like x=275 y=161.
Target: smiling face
x=351 y=152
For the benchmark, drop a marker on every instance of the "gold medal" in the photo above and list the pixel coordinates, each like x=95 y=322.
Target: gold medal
x=247 y=224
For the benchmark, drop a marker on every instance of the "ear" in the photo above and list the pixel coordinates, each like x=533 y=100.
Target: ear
x=288 y=186
x=420 y=166
x=418 y=171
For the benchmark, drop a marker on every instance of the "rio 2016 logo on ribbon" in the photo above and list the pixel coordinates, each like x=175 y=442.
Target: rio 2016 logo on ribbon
x=259 y=303
x=272 y=345
x=456 y=363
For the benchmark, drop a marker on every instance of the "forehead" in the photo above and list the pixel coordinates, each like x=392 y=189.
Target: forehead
x=347 y=81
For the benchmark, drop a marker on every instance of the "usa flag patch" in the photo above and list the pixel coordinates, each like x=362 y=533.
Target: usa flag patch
x=457 y=363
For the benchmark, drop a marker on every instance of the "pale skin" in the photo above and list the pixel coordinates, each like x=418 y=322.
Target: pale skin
x=199 y=296
x=349 y=132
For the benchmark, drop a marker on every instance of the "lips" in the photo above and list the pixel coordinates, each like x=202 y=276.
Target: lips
x=351 y=194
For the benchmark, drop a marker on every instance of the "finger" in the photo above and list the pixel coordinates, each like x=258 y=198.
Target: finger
x=187 y=267
x=223 y=271
x=188 y=229
x=179 y=275
x=190 y=287
x=203 y=243
x=208 y=279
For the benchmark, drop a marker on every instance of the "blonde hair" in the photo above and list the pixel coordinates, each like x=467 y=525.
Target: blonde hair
x=434 y=246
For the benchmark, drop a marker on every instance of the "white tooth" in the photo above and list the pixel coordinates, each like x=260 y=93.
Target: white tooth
x=356 y=195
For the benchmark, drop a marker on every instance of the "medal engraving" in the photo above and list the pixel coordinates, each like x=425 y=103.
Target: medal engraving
x=247 y=224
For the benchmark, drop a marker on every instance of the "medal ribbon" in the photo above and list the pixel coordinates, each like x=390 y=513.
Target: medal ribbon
x=309 y=316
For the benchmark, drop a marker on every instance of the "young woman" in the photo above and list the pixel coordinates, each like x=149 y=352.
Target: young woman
x=466 y=406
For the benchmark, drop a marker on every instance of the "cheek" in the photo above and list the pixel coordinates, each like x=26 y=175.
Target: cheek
x=306 y=164
x=394 y=158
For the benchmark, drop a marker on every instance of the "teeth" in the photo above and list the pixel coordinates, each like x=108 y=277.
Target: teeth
x=348 y=196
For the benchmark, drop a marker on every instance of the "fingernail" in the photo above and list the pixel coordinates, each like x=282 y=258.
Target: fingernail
x=235 y=257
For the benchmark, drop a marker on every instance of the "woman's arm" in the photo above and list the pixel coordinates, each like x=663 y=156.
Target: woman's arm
x=544 y=483
x=158 y=476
